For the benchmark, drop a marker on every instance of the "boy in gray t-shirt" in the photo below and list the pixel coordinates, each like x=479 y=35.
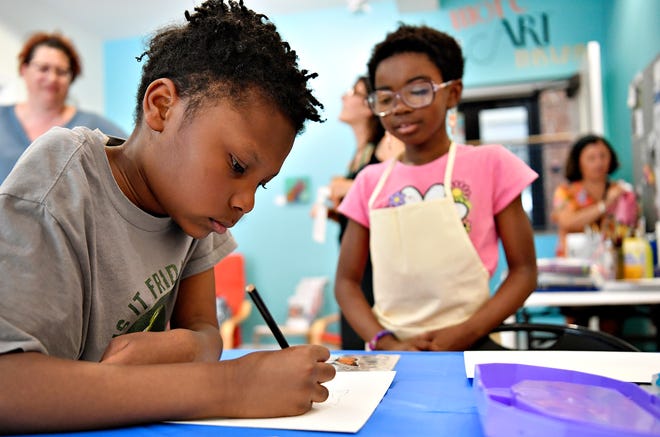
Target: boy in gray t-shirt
x=107 y=247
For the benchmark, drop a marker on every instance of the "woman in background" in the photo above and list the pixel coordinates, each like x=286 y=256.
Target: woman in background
x=590 y=199
x=373 y=145
x=49 y=64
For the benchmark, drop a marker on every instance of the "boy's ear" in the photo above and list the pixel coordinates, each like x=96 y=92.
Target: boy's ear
x=455 y=92
x=157 y=104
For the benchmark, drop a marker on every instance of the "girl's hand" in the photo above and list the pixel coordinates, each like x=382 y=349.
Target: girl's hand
x=339 y=186
x=391 y=343
x=451 y=338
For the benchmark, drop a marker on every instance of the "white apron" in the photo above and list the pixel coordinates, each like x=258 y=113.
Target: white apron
x=426 y=272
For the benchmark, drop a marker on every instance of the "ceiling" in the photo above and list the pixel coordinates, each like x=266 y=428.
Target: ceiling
x=127 y=18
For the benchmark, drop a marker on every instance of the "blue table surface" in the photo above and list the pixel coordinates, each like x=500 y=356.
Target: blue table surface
x=430 y=395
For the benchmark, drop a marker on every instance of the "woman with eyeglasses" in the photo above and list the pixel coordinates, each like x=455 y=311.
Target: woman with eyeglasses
x=373 y=145
x=49 y=64
x=432 y=218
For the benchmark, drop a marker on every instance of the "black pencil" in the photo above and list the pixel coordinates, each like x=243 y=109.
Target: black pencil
x=261 y=306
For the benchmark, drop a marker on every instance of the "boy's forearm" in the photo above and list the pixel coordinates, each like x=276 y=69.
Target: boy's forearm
x=200 y=342
x=182 y=345
x=210 y=342
x=47 y=394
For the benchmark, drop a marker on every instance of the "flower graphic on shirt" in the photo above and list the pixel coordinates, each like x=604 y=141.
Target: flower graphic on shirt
x=463 y=206
x=396 y=199
x=462 y=187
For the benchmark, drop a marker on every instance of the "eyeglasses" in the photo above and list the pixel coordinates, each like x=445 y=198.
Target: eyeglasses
x=415 y=95
x=45 y=68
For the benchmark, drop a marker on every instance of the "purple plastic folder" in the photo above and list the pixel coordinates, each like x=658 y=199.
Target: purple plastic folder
x=522 y=400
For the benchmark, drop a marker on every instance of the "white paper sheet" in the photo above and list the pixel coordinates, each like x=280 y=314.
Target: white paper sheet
x=353 y=398
x=638 y=367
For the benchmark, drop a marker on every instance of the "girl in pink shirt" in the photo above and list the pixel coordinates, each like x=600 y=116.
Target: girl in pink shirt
x=431 y=218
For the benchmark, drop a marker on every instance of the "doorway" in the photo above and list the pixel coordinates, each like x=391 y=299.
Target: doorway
x=511 y=122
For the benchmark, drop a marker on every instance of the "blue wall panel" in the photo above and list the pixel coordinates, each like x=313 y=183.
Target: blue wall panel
x=524 y=40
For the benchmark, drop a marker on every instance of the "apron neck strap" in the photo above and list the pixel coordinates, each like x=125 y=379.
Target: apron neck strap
x=447 y=181
x=449 y=169
x=383 y=178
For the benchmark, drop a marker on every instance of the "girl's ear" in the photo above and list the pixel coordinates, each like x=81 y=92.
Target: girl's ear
x=455 y=92
x=157 y=104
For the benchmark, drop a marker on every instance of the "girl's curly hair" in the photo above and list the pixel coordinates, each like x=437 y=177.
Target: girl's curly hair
x=442 y=49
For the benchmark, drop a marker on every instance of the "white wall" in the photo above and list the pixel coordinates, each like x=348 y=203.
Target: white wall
x=18 y=19
x=89 y=22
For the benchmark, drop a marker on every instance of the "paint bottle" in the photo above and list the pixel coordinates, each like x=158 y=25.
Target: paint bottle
x=608 y=261
x=637 y=258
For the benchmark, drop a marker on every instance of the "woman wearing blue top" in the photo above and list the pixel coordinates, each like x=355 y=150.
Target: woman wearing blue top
x=49 y=64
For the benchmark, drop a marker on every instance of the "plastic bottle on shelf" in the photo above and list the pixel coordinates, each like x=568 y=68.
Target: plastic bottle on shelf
x=608 y=261
x=637 y=257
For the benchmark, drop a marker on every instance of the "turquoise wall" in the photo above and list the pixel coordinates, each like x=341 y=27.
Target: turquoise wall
x=524 y=40
x=633 y=41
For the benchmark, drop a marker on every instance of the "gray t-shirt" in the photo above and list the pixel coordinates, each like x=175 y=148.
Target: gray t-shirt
x=79 y=262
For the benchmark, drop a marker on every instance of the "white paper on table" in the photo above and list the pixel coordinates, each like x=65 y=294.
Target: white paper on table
x=638 y=367
x=353 y=398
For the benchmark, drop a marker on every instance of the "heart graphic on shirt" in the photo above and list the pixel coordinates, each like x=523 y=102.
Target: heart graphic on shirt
x=410 y=195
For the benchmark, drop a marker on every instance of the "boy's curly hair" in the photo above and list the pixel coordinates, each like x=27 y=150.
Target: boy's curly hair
x=442 y=49
x=228 y=50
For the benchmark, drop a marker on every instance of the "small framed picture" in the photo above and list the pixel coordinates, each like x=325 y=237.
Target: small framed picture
x=297 y=190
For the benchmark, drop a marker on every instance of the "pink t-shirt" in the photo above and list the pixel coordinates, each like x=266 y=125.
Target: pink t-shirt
x=485 y=180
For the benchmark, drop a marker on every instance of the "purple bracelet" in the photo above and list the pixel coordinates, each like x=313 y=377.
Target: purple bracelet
x=372 y=343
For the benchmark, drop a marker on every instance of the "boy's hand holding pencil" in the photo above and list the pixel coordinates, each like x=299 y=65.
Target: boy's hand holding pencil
x=280 y=383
